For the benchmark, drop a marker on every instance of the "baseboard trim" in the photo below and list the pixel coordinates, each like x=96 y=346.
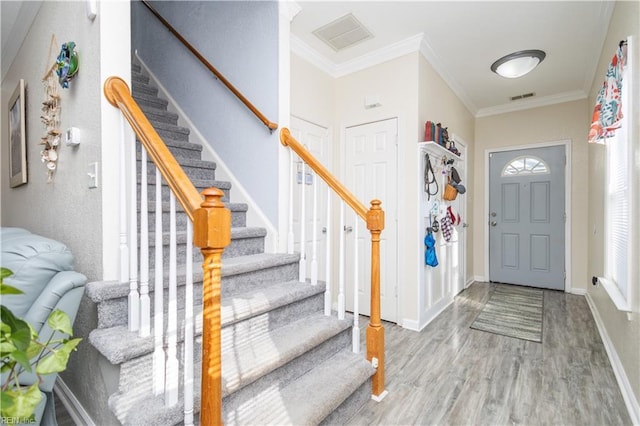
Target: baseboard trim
x=429 y=315
x=578 y=291
x=378 y=398
x=76 y=411
x=633 y=406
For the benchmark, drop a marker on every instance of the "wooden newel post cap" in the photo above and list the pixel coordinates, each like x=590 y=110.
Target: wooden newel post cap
x=375 y=216
x=212 y=221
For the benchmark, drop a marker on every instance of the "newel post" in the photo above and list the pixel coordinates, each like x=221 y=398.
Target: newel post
x=375 y=330
x=211 y=233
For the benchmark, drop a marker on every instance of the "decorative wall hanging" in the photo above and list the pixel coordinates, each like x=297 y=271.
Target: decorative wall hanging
x=51 y=119
x=67 y=63
x=17 y=137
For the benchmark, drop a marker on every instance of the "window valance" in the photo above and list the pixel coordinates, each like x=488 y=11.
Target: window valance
x=607 y=113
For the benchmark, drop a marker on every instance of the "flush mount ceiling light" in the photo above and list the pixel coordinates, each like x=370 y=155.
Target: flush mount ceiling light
x=517 y=64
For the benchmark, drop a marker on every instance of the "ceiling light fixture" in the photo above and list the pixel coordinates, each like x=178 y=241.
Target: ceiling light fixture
x=517 y=64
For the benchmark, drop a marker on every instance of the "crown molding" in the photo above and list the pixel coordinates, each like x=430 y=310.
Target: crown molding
x=430 y=55
x=311 y=55
x=387 y=53
x=559 y=98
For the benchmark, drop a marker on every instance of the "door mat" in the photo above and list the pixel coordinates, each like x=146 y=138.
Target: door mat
x=514 y=312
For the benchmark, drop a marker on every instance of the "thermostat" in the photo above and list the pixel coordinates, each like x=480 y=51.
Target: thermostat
x=72 y=136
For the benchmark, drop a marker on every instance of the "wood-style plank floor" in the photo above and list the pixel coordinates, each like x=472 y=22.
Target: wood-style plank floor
x=449 y=374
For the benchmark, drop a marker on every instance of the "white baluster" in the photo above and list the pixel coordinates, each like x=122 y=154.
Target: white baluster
x=171 y=387
x=314 y=247
x=188 y=330
x=134 y=296
x=327 y=290
x=303 y=228
x=159 y=363
x=145 y=303
x=341 y=303
x=290 y=236
x=355 y=336
x=124 y=236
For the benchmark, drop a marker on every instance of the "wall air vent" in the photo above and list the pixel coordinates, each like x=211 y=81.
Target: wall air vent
x=343 y=32
x=524 y=96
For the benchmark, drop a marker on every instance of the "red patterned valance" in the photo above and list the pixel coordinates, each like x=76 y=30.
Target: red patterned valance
x=607 y=113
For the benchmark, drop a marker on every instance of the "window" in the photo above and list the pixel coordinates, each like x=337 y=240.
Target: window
x=617 y=203
x=525 y=165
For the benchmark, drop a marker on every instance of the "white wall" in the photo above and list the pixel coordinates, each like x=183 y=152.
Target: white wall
x=621 y=334
x=545 y=124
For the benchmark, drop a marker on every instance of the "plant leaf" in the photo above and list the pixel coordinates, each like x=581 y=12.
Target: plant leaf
x=7 y=289
x=4 y=273
x=56 y=361
x=21 y=358
x=23 y=402
x=60 y=321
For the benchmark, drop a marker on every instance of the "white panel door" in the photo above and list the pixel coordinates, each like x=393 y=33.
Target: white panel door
x=315 y=139
x=371 y=173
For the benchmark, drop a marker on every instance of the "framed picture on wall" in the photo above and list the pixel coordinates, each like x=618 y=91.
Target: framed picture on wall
x=17 y=137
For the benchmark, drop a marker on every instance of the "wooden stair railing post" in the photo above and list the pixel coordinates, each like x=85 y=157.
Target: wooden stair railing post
x=375 y=330
x=212 y=233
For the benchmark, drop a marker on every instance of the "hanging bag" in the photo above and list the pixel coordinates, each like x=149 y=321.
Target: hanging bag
x=450 y=193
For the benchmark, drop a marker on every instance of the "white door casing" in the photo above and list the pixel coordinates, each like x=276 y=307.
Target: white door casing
x=371 y=173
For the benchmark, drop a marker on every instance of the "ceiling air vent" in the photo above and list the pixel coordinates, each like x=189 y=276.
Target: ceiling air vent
x=343 y=32
x=525 y=96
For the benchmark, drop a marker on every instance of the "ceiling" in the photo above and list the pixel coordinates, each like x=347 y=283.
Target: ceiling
x=462 y=39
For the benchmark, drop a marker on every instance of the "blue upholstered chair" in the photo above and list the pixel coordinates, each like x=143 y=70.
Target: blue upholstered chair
x=43 y=269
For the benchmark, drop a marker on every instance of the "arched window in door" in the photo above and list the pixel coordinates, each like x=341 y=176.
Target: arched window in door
x=525 y=165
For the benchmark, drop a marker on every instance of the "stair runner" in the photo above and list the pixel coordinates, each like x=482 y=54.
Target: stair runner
x=283 y=361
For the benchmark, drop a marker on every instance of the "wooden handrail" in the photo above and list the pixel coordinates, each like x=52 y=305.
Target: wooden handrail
x=270 y=125
x=374 y=217
x=211 y=233
x=287 y=140
x=118 y=94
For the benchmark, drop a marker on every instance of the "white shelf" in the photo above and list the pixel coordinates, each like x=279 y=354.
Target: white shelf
x=436 y=147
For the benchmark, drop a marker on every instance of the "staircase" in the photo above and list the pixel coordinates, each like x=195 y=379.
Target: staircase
x=283 y=362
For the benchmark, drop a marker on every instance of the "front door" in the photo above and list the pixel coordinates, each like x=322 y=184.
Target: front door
x=371 y=173
x=527 y=217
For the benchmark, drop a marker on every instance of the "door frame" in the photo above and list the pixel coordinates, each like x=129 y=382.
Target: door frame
x=568 y=288
x=398 y=197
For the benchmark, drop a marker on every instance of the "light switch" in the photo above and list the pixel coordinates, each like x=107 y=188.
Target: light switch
x=92 y=173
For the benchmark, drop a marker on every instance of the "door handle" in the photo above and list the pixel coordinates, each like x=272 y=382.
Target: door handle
x=494 y=223
x=465 y=225
x=348 y=229
x=324 y=229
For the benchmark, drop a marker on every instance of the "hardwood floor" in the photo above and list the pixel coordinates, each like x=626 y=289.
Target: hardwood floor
x=449 y=374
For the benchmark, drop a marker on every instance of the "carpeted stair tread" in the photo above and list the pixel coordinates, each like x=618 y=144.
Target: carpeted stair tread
x=119 y=345
x=313 y=396
x=180 y=144
x=236 y=234
x=198 y=183
x=159 y=114
x=149 y=100
x=254 y=262
x=247 y=361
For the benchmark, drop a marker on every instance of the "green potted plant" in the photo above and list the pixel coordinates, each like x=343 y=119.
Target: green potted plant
x=21 y=350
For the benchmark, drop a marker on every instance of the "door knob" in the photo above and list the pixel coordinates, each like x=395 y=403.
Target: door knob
x=494 y=223
x=324 y=229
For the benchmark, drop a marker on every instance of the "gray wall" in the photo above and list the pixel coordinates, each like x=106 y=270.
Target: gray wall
x=240 y=39
x=66 y=209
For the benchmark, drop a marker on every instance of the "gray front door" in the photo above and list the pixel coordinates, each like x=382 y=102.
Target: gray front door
x=527 y=217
